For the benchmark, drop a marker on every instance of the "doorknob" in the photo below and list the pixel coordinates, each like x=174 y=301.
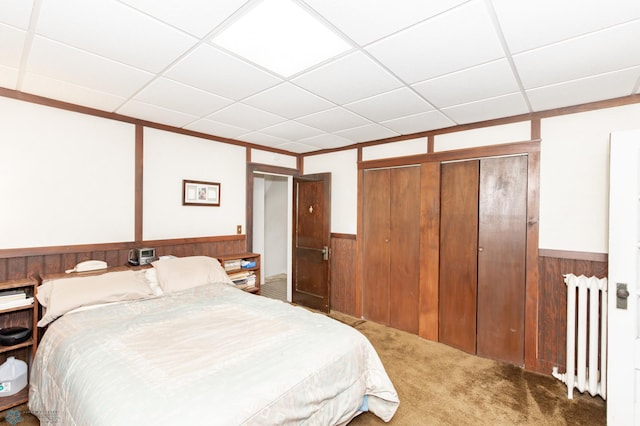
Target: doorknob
x=325 y=253
x=622 y=293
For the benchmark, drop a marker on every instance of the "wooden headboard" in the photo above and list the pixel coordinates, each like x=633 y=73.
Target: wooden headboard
x=41 y=261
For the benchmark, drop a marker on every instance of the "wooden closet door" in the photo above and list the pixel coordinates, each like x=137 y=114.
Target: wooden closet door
x=501 y=258
x=404 y=253
x=376 y=248
x=458 y=254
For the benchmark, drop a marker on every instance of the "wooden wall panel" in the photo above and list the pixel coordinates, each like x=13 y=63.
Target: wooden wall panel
x=343 y=274
x=19 y=263
x=552 y=315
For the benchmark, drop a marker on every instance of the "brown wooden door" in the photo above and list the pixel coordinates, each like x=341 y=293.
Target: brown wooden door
x=458 y=254
x=376 y=247
x=311 y=240
x=391 y=246
x=501 y=258
x=404 y=249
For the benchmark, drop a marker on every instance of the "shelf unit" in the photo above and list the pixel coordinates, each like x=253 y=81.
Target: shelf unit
x=233 y=258
x=23 y=316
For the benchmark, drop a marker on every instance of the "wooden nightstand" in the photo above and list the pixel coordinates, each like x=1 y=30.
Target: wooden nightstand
x=232 y=264
x=22 y=316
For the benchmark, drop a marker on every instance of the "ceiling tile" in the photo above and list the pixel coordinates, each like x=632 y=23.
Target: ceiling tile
x=364 y=23
x=262 y=139
x=590 y=89
x=348 y=79
x=326 y=141
x=596 y=53
x=419 y=122
x=113 y=30
x=8 y=77
x=288 y=101
x=155 y=114
x=216 y=128
x=65 y=63
x=180 y=97
x=534 y=23
x=457 y=39
x=12 y=44
x=387 y=106
x=69 y=92
x=197 y=17
x=245 y=116
x=488 y=109
x=472 y=84
x=368 y=132
x=297 y=147
x=210 y=69
x=16 y=13
x=333 y=120
x=291 y=130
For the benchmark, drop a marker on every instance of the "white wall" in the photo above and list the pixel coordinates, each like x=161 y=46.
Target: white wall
x=395 y=149
x=273 y=158
x=171 y=157
x=65 y=178
x=574 y=177
x=505 y=133
x=276 y=219
x=343 y=166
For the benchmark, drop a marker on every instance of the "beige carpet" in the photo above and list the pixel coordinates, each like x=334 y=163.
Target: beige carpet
x=439 y=385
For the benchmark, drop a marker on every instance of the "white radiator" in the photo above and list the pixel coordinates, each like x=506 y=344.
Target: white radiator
x=590 y=312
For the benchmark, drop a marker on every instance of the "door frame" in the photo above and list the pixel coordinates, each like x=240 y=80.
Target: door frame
x=252 y=170
x=430 y=225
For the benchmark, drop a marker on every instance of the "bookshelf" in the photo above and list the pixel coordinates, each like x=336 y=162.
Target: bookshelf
x=233 y=266
x=22 y=316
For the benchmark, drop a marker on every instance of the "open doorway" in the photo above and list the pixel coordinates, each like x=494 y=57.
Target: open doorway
x=272 y=233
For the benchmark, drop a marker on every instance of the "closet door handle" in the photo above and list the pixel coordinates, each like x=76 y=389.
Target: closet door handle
x=480 y=249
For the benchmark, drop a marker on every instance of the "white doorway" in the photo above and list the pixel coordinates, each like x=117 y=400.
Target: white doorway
x=272 y=232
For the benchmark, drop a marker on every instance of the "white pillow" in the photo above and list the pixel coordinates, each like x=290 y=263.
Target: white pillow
x=152 y=278
x=61 y=295
x=182 y=273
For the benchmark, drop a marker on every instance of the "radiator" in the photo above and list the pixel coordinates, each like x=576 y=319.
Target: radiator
x=586 y=336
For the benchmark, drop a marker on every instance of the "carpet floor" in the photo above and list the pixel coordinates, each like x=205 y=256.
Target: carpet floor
x=440 y=385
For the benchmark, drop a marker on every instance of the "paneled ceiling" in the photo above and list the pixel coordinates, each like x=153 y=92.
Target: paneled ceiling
x=410 y=65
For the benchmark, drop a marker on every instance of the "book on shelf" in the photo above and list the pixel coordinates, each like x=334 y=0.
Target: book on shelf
x=8 y=295
x=230 y=265
x=16 y=303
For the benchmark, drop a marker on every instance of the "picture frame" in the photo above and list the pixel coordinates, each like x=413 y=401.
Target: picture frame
x=200 y=193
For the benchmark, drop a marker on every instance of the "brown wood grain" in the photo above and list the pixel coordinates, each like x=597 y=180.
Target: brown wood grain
x=343 y=273
x=430 y=249
x=458 y=254
x=502 y=258
x=404 y=248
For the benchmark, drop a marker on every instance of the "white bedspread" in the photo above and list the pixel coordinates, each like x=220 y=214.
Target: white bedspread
x=209 y=355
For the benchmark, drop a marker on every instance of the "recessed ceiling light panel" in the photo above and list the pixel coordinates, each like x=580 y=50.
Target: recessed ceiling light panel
x=282 y=37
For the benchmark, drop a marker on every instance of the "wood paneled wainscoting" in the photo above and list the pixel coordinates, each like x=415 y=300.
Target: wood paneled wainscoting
x=343 y=273
x=18 y=263
x=552 y=301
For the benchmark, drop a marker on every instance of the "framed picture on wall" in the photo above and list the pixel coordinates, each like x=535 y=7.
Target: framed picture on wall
x=199 y=193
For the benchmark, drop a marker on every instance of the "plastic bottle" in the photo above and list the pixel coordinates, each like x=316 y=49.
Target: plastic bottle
x=13 y=376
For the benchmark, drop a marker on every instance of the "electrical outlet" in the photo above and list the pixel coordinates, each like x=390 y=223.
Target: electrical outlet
x=239 y=229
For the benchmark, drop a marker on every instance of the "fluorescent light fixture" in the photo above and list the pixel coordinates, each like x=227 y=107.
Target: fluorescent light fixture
x=282 y=37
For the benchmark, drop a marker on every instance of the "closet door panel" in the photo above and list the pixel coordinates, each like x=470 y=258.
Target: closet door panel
x=404 y=262
x=458 y=254
x=376 y=224
x=501 y=258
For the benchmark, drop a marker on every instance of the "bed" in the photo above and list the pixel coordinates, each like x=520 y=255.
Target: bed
x=178 y=344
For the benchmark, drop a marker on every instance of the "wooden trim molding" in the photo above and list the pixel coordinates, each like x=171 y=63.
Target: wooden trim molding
x=343 y=236
x=139 y=184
